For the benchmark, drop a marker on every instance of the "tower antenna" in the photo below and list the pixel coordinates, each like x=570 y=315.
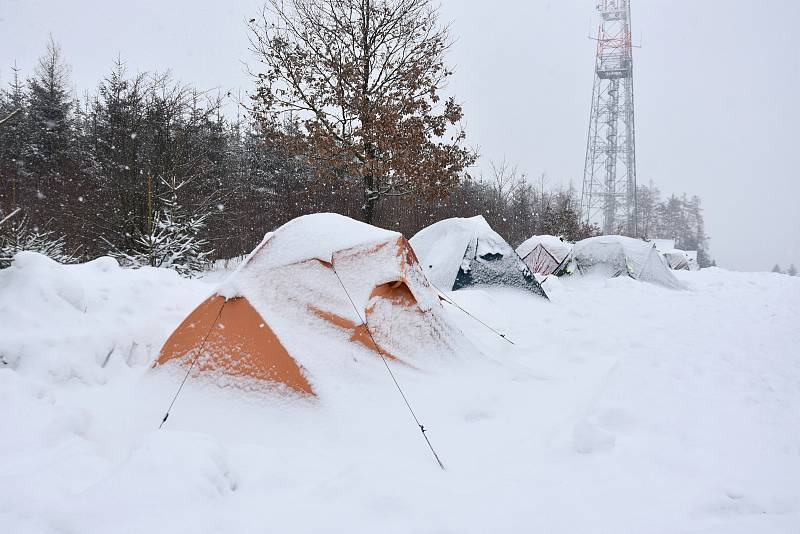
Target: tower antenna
x=608 y=197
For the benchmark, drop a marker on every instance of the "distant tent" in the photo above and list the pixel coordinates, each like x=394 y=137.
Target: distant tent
x=614 y=255
x=543 y=253
x=677 y=260
x=283 y=317
x=457 y=253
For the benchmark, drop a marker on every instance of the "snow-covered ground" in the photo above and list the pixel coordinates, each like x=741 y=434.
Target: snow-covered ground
x=623 y=407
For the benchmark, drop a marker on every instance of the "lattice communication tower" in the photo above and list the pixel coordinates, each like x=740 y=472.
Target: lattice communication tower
x=608 y=197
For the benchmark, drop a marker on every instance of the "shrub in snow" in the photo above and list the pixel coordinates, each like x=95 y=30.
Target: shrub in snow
x=16 y=235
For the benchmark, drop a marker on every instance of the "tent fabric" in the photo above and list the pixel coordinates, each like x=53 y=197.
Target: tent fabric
x=614 y=255
x=283 y=319
x=677 y=260
x=463 y=252
x=663 y=245
x=692 y=255
x=542 y=254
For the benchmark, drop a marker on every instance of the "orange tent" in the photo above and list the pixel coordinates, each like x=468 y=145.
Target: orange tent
x=298 y=302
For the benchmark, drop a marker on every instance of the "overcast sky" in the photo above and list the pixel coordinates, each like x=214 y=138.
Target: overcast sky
x=717 y=84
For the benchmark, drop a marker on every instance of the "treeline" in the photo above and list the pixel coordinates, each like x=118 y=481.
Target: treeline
x=675 y=217
x=145 y=167
x=791 y=271
x=153 y=172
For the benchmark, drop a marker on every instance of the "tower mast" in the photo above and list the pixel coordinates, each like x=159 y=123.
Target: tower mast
x=608 y=197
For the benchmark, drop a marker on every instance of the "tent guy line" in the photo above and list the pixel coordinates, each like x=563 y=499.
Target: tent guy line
x=191 y=366
x=450 y=301
x=389 y=369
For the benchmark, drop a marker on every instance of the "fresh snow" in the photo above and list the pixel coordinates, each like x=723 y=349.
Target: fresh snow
x=622 y=407
x=316 y=236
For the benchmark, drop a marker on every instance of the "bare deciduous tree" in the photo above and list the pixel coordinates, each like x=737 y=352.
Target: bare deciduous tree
x=359 y=81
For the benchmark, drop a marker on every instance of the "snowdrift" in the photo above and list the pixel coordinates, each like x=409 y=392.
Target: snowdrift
x=72 y=321
x=611 y=413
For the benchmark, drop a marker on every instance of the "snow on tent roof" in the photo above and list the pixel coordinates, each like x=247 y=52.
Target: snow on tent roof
x=460 y=252
x=293 y=313
x=615 y=255
x=553 y=244
x=316 y=236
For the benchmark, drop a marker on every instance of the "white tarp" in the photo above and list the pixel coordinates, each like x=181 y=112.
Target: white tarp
x=615 y=255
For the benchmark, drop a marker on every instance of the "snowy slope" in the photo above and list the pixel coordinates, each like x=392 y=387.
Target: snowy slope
x=622 y=407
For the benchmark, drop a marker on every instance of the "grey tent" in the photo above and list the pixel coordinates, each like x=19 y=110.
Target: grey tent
x=457 y=253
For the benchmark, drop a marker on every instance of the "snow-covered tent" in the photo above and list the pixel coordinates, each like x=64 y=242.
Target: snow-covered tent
x=663 y=245
x=615 y=255
x=457 y=253
x=296 y=306
x=543 y=253
x=677 y=259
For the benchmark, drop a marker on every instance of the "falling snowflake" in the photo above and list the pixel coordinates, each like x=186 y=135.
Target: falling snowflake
x=220 y=207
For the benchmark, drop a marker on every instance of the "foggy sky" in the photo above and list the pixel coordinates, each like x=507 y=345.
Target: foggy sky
x=716 y=89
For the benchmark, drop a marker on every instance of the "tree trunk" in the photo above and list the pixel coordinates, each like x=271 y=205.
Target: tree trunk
x=369 y=207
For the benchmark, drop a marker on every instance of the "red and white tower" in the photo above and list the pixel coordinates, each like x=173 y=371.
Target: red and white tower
x=608 y=197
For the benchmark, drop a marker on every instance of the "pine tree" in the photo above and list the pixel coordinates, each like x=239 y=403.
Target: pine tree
x=647 y=199
x=173 y=238
x=13 y=140
x=777 y=269
x=792 y=271
x=51 y=119
x=53 y=182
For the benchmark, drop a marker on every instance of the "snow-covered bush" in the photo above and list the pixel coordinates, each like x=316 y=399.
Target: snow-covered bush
x=16 y=235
